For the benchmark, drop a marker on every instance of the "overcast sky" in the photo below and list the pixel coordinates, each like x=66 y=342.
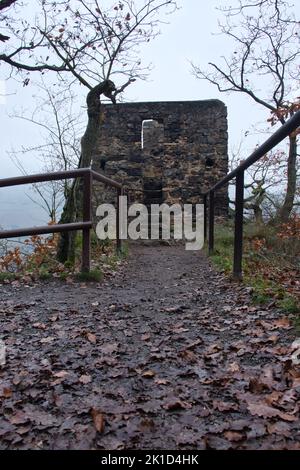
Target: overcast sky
x=188 y=37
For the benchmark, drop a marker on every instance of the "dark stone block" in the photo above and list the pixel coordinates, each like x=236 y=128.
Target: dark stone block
x=177 y=192
x=136 y=157
x=133 y=171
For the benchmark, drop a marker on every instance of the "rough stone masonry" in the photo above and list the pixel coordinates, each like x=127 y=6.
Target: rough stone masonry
x=169 y=152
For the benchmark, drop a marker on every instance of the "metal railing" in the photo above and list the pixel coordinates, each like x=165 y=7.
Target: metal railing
x=285 y=130
x=86 y=225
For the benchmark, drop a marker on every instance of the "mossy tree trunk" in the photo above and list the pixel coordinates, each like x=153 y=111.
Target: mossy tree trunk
x=288 y=204
x=72 y=211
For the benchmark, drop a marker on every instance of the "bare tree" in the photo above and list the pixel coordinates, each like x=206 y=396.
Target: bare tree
x=60 y=126
x=266 y=38
x=4 y=4
x=262 y=182
x=88 y=44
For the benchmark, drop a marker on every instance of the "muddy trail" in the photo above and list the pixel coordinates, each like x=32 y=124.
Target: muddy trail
x=165 y=354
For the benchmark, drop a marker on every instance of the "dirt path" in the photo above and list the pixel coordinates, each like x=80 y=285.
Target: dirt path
x=164 y=355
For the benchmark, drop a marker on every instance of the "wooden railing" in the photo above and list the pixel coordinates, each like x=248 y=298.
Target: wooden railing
x=238 y=173
x=88 y=176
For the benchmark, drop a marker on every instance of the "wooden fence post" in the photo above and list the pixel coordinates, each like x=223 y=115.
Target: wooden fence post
x=87 y=217
x=211 y=234
x=238 y=227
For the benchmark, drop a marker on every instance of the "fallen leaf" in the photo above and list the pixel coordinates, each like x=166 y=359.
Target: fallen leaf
x=281 y=428
x=180 y=330
x=148 y=374
x=177 y=404
x=233 y=367
x=161 y=381
x=217 y=443
x=98 y=419
x=273 y=398
x=146 y=337
x=176 y=309
x=61 y=374
x=224 y=406
x=233 y=436
x=239 y=425
x=269 y=412
x=189 y=356
x=273 y=338
x=227 y=308
x=40 y=326
x=19 y=418
x=282 y=323
x=193 y=344
x=91 y=338
x=109 y=348
x=85 y=379
x=6 y=392
x=6 y=427
x=47 y=340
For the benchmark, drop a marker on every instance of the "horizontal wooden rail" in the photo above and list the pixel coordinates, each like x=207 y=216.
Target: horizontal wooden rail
x=103 y=179
x=284 y=131
x=55 y=228
x=88 y=176
x=43 y=177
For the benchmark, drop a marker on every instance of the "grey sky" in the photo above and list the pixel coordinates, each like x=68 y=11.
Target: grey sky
x=187 y=37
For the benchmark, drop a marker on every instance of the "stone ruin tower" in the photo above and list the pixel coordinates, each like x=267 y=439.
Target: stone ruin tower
x=169 y=152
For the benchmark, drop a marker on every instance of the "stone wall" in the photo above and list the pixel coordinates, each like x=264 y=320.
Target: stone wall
x=165 y=151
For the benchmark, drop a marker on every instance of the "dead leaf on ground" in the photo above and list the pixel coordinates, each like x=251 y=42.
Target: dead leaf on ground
x=98 y=419
x=281 y=428
x=269 y=412
x=85 y=379
x=47 y=340
x=224 y=406
x=284 y=323
x=148 y=374
x=91 y=338
x=176 y=404
x=109 y=348
x=61 y=374
x=234 y=436
x=146 y=337
x=233 y=367
x=189 y=356
x=161 y=381
x=39 y=326
x=6 y=392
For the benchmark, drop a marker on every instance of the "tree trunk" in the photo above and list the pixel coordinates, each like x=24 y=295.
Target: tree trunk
x=72 y=211
x=287 y=207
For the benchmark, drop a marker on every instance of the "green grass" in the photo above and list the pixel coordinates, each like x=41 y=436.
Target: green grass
x=44 y=275
x=289 y=304
x=69 y=264
x=7 y=277
x=264 y=290
x=261 y=298
x=124 y=252
x=93 y=276
x=297 y=324
x=223 y=252
x=64 y=275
